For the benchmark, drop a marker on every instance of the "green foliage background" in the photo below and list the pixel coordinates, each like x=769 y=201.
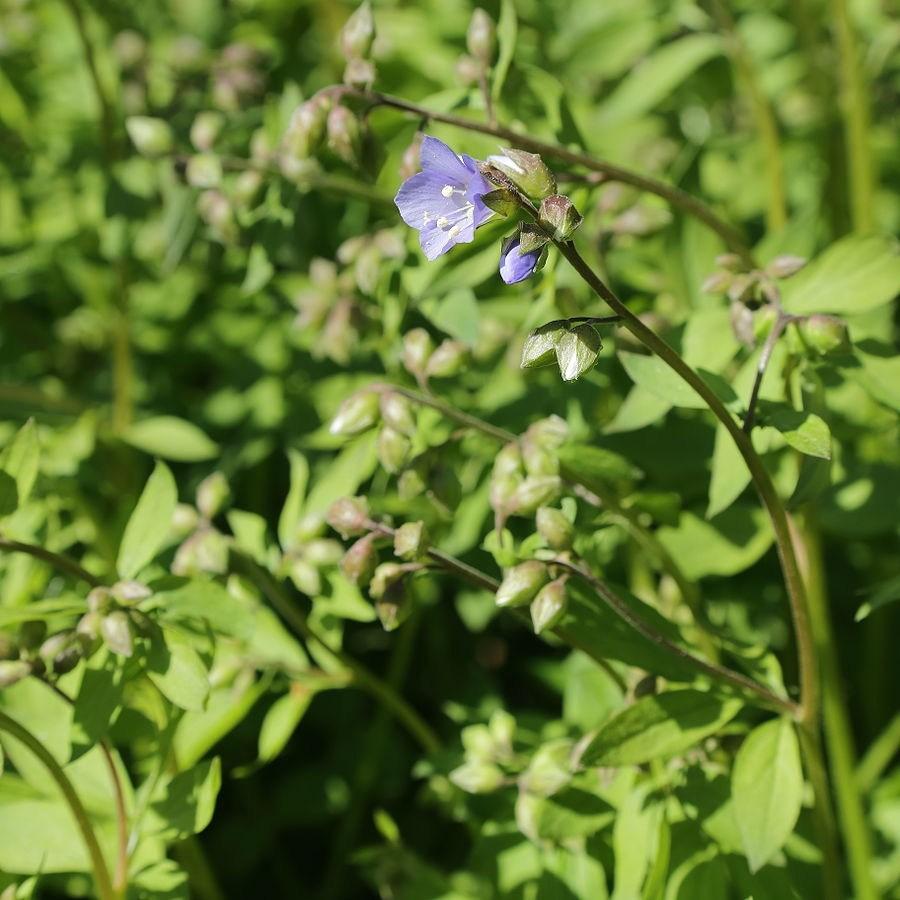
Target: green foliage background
x=154 y=310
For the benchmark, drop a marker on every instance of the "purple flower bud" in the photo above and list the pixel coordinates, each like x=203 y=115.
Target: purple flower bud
x=516 y=266
x=443 y=201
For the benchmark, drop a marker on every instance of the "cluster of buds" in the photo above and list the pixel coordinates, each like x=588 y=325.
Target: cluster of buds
x=130 y=52
x=357 y=38
x=307 y=553
x=423 y=360
x=489 y=758
x=32 y=652
x=237 y=76
x=113 y=617
x=525 y=476
x=481 y=44
x=204 y=548
x=529 y=584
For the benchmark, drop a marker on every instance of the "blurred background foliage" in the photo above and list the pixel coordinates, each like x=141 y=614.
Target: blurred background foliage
x=213 y=304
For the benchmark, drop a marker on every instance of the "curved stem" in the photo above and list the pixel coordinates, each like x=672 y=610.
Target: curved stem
x=366 y=679
x=62 y=563
x=101 y=873
x=717 y=672
x=778 y=327
x=673 y=195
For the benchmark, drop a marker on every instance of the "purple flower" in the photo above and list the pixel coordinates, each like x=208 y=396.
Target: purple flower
x=514 y=264
x=443 y=201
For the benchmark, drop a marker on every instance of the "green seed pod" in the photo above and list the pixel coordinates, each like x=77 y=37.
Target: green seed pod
x=130 y=591
x=538 y=458
x=447 y=360
x=358 y=33
x=360 y=561
x=306 y=129
x=118 y=632
x=358 y=413
x=411 y=540
x=824 y=334
x=393 y=449
x=394 y=607
x=521 y=583
x=554 y=528
x=212 y=494
x=349 y=516
x=527 y=171
x=397 y=412
x=151 y=137
x=559 y=216
x=481 y=36
x=344 y=135
x=550 y=605
x=417 y=348
x=386 y=575
x=13 y=670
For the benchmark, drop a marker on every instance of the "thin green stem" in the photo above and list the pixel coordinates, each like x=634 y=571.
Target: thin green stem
x=62 y=563
x=763 y=115
x=838 y=733
x=671 y=194
x=854 y=103
x=364 y=678
x=98 y=863
x=879 y=755
x=765 y=356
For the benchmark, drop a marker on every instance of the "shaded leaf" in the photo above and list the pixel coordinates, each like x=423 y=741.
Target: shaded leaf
x=148 y=527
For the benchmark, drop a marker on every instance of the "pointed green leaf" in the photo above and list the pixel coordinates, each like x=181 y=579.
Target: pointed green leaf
x=171 y=438
x=293 y=504
x=149 y=524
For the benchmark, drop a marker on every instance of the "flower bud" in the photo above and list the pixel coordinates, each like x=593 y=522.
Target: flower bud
x=534 y=491
x=554 y=528
x=508 y=462
x=538 y=459
x=130 y=591
x=469 y=70
x=205 y=128
x=501 y=201
x=393 y=449
x=204 y=551
x=344 y=135
x=349 y=516
x=212 y=494
x=118 y=632
x=397 y=412
x=305 y=576
x=306 y=129
x=502 y=727
x=67 y=658
x=359 y=73
x=549 y=606
x=481 y=36
x=215 y=209
x=527 y=171
x=521 y=583
x=410 y=484
x=88 y=626
x=785 y=266
x=447 y=360
x=360 y=561
x=386 y=575
x=358 y=413
x=323 y=552
x=558 y=214
x=411 y=540
x=718 y=282
x=246 y=187
x=824 y=334
x=31 y=634
x=358 y=32
x=477 y=777
x=129 y=48
x=204 y=170
x=764 y=320
x=184 y=519
x=13 y=670
x=151 y=137
x=417 y=348
x=54 y=644
x=394 y=607
x=550 y=433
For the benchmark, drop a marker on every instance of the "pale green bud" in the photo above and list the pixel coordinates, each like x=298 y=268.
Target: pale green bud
x=393 y=608
x=397 y=412
x=204 y=170
x=481 y=36
x=359 y=72
x=501 y=201
x=130 y=591
x=824 y=334
x=13 y=670
x=306 y=129
x=554 y=528
x=503 y=729
x=358 y=32
x=360 y=560
x=393 y=449
x=537 y=457
x=477 y=777
x=527 y=171
x=349 y=516
x=417 y=348
x=447 y=360
x=785 y=266
x=247 y=186
x=323 y=552
x=151 y=137
x=478 y=743
x=212 y=495
x=411 y=540
x=344 y=135
x=386 y=575
x=521 y=583
x=306 y=577
x=358 y=413
x=118 y=632
x=548 y=608
x=206 y=127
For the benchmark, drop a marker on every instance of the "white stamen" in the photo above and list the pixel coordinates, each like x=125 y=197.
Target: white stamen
x=442 y=222
x=447 y=190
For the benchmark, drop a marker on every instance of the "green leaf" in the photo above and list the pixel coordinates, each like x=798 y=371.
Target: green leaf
x=171 y=438
x=506 y=42
x=856 y=274
x=660 y=726
x=883 y=594
x=98 y=701
x=767 y=789
x=20 y=461
x=353 y=465
x=188 y=801
x=640 y=409
x=570 y=814
x=803 y=430
x=657 y=76
x=729 y=476
x=456 y=313
x=259 y=270
x=175 y=667
x=148 y=527
x=249 y=533
x=9 y=494
x=725 y=545
x=206 y=602
x=654 y=376
x=281 y=721
x=576 y=351
x=293 y=503
x=596 y=467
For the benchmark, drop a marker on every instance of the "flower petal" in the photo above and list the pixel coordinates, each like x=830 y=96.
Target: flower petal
x=420 y=197
x=439 y=159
